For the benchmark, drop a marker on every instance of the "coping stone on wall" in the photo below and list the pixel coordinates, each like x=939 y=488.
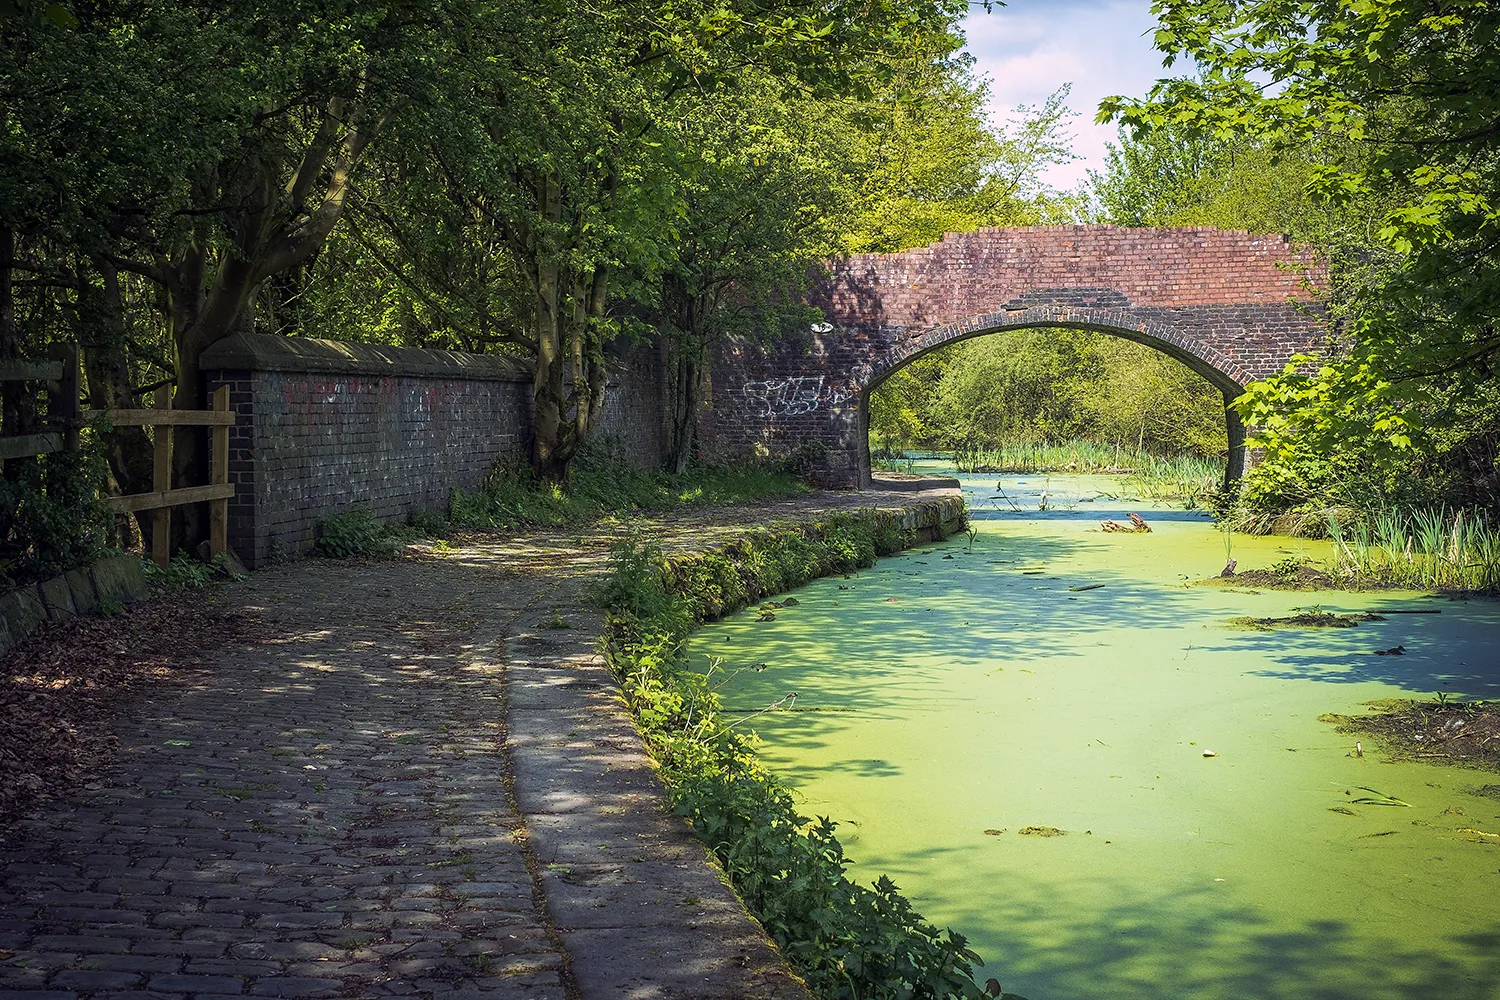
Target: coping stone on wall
x=111 y=580
x=269 y=352
x=81 y=585
x=58 y=597
x=118 y=579
x=23 y=611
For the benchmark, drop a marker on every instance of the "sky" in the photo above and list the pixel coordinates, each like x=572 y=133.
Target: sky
x=1029 y=48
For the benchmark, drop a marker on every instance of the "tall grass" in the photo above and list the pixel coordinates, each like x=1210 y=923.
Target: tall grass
x=1188 y=478
x=1424 y=548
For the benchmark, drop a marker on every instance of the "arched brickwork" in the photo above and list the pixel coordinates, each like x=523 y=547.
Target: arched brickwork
x=1232 y=306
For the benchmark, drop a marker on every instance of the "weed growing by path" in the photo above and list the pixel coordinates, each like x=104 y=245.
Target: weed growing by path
x=357 y=532
x=848 y=940
x=186 y=573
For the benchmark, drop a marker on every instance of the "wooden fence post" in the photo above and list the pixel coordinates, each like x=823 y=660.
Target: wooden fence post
x=62 y=407
x=218 y=510
x=161 y=482
x=164 y=421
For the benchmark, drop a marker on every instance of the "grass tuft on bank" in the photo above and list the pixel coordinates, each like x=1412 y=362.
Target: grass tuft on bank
x=1422 y=549
x=850 y=942
x=1453 y=551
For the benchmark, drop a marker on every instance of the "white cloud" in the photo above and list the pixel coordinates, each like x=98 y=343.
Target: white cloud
x=1031 y=47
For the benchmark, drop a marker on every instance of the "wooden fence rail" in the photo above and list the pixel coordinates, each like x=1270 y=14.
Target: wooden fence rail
x=65 y=418
x=59 y=378
x=163 y=497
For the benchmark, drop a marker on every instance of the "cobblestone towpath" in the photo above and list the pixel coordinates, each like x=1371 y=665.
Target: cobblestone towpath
x=413 y=781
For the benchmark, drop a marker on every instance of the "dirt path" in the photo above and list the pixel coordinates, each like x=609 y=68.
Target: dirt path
x=402 y=783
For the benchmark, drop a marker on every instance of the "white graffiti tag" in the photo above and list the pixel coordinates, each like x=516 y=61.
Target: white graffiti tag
x=787 y=397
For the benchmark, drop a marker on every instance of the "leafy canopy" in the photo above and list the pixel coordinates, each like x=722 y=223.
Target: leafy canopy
x=1410 y=91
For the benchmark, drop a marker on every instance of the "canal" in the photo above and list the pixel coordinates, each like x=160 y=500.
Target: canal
x=1061 y=747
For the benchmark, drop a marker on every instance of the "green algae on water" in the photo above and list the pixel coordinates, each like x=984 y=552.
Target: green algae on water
x=1091 y=715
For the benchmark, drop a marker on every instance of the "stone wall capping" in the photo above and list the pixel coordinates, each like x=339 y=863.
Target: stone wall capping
x=271 y=353
x=83 y=591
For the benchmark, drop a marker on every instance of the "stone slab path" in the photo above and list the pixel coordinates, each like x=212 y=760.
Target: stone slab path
x=413 y=785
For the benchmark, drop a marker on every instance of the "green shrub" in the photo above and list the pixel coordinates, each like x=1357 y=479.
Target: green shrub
x=429 y=523
x=51 y=516
x=849 y=941
x=353 y=533
x=186 y=573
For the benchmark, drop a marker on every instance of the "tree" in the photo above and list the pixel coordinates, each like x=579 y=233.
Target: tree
x=583 y=165
x=1413 y=90
x=202 y=148
x=756 y=183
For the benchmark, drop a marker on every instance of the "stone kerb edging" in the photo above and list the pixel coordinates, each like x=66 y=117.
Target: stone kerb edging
x=637 y=901
x=270 y=353
x=83 y=591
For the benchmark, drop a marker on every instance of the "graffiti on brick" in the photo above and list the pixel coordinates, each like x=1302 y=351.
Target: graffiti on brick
x=789 y=396
x=794 y=395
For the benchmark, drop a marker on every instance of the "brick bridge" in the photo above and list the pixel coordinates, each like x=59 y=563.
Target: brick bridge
x=1231 y=306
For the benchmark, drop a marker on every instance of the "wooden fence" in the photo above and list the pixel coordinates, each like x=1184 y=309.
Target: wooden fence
x=59 y=378
x=61 y=434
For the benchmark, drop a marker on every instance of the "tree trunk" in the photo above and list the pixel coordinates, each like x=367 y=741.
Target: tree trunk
x=11 y=393
x=278 y=220
x=685 y=402
x=685 y=315
x=101 y=335
x=547 y=461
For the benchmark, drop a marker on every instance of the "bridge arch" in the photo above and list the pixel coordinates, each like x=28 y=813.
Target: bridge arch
x=1230 y=379
x=1231 y=306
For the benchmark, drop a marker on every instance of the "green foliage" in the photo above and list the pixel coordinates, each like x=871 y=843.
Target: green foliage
x=1385 y=112
x=51 y=517
x=544 y=179
x=511 y=498
x=1033 y=385
x=1429 y=548
x=356 y=532
x=848 y=940
x=186 y=573
x=927 y=162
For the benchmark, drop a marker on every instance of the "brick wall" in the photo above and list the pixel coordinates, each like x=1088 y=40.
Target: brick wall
x=324 y=427
x=634 y=421
x=1230 y=305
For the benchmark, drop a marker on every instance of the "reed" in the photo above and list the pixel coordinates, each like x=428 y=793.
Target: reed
x=1029 y=457
x=1148 y=477
x=1189 y=478
x=1434 y=548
